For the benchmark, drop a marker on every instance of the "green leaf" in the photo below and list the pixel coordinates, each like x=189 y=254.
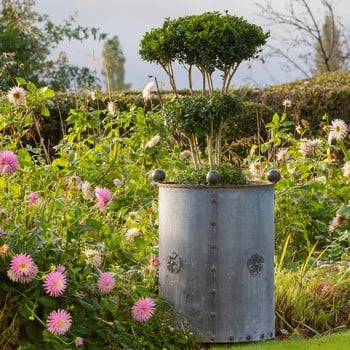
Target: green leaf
x=47 y=301
x=60 y=162
x=20 y=81
x=44 y=111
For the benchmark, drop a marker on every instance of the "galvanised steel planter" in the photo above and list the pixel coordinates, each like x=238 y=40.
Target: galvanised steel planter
x=217 y=259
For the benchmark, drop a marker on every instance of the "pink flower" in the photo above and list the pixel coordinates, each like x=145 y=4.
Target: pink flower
x=8 y=163
x=78 y=341
x=33 y=198
x=22 y=268
x=106 y=282
x=103 y=195
x=58 y=322
x=16 y=95
x=55 y=282
x=154 y=262
x=143 y=309
x=2 y=232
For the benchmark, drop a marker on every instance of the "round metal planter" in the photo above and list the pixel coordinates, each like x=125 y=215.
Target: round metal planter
x=217 y=259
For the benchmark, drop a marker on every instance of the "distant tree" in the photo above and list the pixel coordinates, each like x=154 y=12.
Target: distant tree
x=301 y=33
x=27 y=40
x=328 y=51
x=113 y=65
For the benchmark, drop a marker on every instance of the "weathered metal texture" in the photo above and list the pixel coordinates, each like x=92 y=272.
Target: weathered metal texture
x=217 y=259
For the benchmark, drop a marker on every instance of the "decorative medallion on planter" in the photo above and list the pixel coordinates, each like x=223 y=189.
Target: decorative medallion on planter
x=255 y=264
x=173 y=263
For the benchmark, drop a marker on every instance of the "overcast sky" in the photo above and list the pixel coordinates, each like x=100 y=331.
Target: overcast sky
x=130 y=19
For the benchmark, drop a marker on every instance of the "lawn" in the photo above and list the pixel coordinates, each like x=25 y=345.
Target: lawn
x=337 y=341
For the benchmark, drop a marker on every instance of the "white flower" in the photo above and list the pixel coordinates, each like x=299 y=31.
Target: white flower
x=132 y=233
x=117 y=182
x=87 y=190
x=111 y=107
x=16 y=95
x=153 y=141
x=346 y=169
x=338 y=130
x=282 y=154
x=134 y=216
x=309 y=147
x=287 y=103
x=146 y=92
x=257 y=170
x=93 y=257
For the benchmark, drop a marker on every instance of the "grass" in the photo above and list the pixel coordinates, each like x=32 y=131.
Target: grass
x=337 y=341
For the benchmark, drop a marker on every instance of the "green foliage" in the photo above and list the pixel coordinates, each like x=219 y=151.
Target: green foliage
x=210 y=41
x=337 y=341
x=115 y=153
x=230 y=175
x=118 y=150
x=312 y=98
x=29 y=38
x=315 y=302
x=199 y=116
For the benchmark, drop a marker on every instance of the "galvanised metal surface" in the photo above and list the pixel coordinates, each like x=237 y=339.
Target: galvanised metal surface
x=217 y=259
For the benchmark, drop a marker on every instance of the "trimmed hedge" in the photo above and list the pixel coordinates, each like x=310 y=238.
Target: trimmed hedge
x=311 y=99
x=328 y=93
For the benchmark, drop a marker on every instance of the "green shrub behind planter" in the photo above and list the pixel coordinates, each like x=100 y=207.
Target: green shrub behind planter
x=328 y=93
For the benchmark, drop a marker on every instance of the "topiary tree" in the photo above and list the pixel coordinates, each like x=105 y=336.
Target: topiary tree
x=209 y=42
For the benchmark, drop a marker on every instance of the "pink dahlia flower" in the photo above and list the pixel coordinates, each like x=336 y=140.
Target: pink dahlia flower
x=22 y=268
x=143 y=309
x=33 y=198
x=16 y=95
x=103 y=195
x=106 y=282
x=55 y=283
x=8 y=163
x=58 y=322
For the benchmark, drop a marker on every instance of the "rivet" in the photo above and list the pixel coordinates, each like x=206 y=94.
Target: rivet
x=212 y=314
x=248 y=337
x=213 y=246
x=213 y=291
x=213 y=268
x=231 y=338
x=213 y=199
x=212 y=338
x=212 y=223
